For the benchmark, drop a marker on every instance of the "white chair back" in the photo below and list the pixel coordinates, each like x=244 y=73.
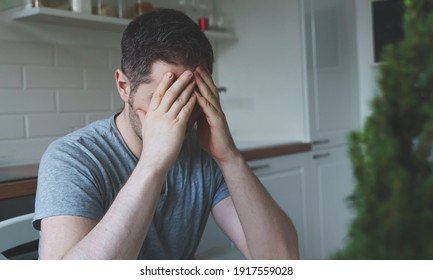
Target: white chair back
x=16 y=231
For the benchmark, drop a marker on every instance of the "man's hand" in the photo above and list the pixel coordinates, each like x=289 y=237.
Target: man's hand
x=213 y=130
x=164 y=124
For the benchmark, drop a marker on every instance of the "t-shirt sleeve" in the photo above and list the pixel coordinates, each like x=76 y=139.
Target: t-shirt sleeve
x=66 y=184
x=221 y=190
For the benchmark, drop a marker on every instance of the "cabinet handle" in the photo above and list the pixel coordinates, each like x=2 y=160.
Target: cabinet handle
x=324 y=155
x=260 y=167
x=321 y=142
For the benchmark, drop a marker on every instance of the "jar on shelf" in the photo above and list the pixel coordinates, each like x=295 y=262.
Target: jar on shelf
x=39 y=3
x=219 y=22
x=188 y=7
x=81 y=6
x=133 y=8
x=200 y=11
x=204 y=10
x=107 y=8
x=58 y=4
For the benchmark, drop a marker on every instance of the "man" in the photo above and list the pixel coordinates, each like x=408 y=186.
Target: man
x=142 y=183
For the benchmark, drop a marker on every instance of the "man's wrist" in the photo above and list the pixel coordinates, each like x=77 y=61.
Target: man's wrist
x=234 y=158
x=153 y=170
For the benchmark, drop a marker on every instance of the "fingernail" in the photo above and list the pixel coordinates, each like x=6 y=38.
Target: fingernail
x=169 y=75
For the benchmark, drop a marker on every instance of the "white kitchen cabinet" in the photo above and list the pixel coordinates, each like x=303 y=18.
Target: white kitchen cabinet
x=331 y=70
x=333 y=108
x=328 y=211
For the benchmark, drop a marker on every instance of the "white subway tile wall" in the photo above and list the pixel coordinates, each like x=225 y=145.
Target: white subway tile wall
x=53 y=77
x=50 y=89
x=14 y=125
x=26 y=101
x=99 y=78
x=53 y=125
x=11 y=76
x=26 y=53
x=84 y=101
x=115 y=58
x=81 y=56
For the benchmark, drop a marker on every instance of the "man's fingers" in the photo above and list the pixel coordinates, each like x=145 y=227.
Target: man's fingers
x=164 y=85
x=182 y=100
x=175 y=90
x=207 y=79
x=206 y=91
x=186 y=111
x=208 y=108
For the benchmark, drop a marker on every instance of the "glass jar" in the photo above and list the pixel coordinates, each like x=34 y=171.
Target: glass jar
x=133 y=8
x=58 y=4
x=39 y=3
x=199 y=11
x=81 y=6
x=107 y=8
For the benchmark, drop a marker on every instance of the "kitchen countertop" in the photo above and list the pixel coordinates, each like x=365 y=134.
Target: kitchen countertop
x=16 y=181
x=20 y=172
x=21 y=180
x=253 y=151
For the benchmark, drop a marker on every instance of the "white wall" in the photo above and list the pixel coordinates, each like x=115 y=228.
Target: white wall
x=53 y=80
x=262 y=70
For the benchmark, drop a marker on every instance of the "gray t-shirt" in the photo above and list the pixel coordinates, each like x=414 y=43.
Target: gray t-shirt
x=80 y=174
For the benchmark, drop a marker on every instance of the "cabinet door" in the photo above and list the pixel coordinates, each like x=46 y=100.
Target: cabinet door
x=287 y=186
x=329 y=210
x=331 y=59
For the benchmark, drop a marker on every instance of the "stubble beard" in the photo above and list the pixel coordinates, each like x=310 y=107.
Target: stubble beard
x=134 y=120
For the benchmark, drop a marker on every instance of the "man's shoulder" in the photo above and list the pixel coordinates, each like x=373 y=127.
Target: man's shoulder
x=83 y=138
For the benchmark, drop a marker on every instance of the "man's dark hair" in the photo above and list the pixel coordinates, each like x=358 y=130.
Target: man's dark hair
x=167 y=35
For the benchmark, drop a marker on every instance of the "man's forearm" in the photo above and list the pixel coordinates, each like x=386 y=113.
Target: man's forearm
x=122 y=230
x=269 y=232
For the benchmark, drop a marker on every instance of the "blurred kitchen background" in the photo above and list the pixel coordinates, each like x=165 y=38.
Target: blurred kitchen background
x=296 y=76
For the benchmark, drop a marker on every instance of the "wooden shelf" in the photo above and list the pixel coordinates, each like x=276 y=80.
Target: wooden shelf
x=68 y=18
x=218 y=35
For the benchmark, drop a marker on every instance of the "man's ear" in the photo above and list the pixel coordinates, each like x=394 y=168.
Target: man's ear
x=123 y=85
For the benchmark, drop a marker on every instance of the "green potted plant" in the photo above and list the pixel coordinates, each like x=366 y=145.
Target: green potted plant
x=392 y=156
